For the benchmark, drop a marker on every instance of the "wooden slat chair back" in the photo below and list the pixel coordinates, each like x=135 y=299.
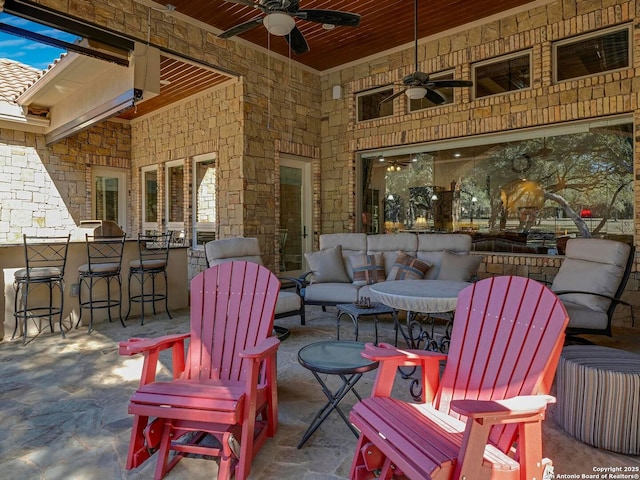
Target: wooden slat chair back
x=225 y=385
x=505 y=345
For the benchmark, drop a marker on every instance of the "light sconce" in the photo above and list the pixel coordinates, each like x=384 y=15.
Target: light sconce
x=415 y=93
x=434 y=197
x=279 y=24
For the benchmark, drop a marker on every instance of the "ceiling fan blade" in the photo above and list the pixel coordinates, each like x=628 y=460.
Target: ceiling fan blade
x=332 y=17
x=391 y=97
x=243 y=27
x=297 y=41
x=449 y=83
x=434 y=97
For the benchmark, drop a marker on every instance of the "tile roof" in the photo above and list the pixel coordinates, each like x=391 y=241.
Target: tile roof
x=15 y=77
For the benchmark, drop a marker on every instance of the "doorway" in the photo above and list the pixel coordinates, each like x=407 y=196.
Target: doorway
x=109 y=195
x=296 y=214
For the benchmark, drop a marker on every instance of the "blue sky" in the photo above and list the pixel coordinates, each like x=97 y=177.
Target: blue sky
x=25 y=51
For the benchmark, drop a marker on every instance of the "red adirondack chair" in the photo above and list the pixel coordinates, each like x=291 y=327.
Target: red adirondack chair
x=226 y=385
x=506 y=341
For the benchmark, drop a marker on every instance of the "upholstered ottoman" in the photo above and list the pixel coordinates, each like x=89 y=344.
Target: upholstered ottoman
x=598 y=397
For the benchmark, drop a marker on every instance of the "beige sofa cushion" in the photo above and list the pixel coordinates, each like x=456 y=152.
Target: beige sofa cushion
x=351 y=244
x=327 y=266
x=460 y=268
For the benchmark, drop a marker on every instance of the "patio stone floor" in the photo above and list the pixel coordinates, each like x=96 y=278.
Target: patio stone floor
x=64 y=407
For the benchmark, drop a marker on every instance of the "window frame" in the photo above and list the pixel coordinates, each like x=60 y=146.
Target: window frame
x=368 y=92
x=585 y=37
x=121 y=175
x=148 y=226
x=173 y=226
x=203 y=226
x=501 y=59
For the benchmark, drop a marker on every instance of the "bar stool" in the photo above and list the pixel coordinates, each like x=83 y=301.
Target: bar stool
x=153 y=258
x=45 y=260
x=104 y=261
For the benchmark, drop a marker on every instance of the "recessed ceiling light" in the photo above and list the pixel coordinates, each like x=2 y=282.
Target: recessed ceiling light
x=328 y=26
x=457 y=154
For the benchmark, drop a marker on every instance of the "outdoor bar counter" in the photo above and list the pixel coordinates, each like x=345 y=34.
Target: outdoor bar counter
x=12 y=258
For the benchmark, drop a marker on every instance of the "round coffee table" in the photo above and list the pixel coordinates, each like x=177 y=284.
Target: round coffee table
x=334 y=358
x=420 y=296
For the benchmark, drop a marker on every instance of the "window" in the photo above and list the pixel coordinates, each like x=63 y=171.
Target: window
x=592 y=54
x=174 y=187
x=150 y=199
x=447 y=93
x=514 y=192
x=204 y=199
x=500 y=76
x=109 y=195
x=370 y=106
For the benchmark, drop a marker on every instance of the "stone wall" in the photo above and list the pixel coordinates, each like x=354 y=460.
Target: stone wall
x=45 y=190
x=545 y=103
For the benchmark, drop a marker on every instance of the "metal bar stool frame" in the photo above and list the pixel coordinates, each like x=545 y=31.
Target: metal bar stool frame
x=104 y=263
x=45 y=262
x=153 y=258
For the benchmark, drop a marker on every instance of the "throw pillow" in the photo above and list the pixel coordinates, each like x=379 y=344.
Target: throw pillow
x=327 y=266
x=367 y=269
x=460 y=268
x=407 y=267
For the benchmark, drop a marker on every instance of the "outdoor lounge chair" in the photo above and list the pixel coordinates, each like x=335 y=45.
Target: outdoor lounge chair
x=591 y=281
x=225 y=386
x=491 y=398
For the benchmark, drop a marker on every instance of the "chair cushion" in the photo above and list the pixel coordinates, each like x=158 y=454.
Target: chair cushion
x=230 y=249
x=591 y=265
x=327 y=265
x=407 y=267
x=584 y=317
x=287 y=302
x=367 y=269
x=38 y=273
x=337 y=292
x=147 y=264
x=99 y=268
x=459 y=268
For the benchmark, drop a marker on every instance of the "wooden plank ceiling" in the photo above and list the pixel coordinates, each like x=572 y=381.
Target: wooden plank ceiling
x=178 y=80
x=384 y=24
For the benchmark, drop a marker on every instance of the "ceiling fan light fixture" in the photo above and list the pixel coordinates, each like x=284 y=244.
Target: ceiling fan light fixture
x=415 y=93
x=279 y=24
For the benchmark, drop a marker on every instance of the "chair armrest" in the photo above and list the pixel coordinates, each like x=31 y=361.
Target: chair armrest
x=151 y=348
x=299 y=284
x=262 y=350
x=512 y=410
x=134 y=345
x=601 y=295
x=390 y=358
x=528 y=411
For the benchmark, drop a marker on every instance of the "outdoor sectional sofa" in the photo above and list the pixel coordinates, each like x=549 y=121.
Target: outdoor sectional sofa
x=341 y=271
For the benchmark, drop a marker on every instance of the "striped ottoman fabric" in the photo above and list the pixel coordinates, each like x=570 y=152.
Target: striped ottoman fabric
x=598 y=397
